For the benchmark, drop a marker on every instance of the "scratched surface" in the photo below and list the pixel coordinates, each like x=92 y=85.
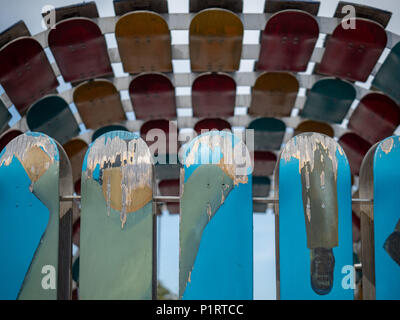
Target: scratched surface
x=29 y=170
x=216 y=227
x=314 y=211
x=116 y=219
x=386 y=218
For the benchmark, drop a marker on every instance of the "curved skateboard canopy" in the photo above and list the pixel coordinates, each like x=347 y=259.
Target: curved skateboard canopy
x=355 y=148
x=377 y=111
x=215 y=41
x=144 y=42
x=268 y=133
x=288 y=41
x=25 y=72
x=7 y=136
x=353 y=53
x=153 y=96
x=212 y=124
x=99 y=103
x=52 y=116
x=99 y=132
x=314 y=126
x=274 y=94
x=329 y=100
x=79 y=49
x=213 y=95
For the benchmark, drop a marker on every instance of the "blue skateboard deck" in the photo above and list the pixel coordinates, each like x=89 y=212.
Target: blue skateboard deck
x=116 y=219
x=313 y=220
x=29 y=183
x=216 y=226
x=380 y=226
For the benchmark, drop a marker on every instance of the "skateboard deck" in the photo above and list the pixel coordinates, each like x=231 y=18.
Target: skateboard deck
x=170 y=188
x=25 y=72
x=139 y=36
x=273 y=6
x=124 y=6
x=98 y=103
x=268 y=133
x=213 y=95
x=356 y=148
x=288 y=41
x=274 y=95
x=264 y=163
x=215 y=41
x=386 y=80
x=314 y=126
x=17 y=30
x=76 y=150
x=52 y=116
x=212 y=124
x=231 y=5
x=30 y=171
x=106 y=129
x=377 y=111
x=314 y=220
x=261 y=188
x=116 y=219
x=7 y=136
x=153 y=96
x=5 y=116
x=80 y=50
x=380 y=181
x=353 y=53
x=86 y=9
x=366 y=12
x=216 y=223
x=329 y=100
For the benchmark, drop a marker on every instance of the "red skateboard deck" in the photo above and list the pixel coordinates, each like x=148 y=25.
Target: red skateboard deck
x=86 y=9
x=124 y=6
x=171 y=133
x=25 y=72
x=139 y=36
x=314 y=126
x=213 y=94
x=264 y=163
x=80 y=50
x=99 y=103
x=273 y=6
x=212 y=124
x=153 y=96
x=231 y=5
x=170 y=188
x=355 y=148
x=353 y=53
x=376 y=117
x=17 y=30
x=288 y=41
x=7 y=136
x=274 y=95
x=215 y=41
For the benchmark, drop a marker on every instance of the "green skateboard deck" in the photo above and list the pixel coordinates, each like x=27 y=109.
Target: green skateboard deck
x=103 y=130
x=268 y=133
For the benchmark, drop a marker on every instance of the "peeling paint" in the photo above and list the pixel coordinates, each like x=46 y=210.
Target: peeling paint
x=387 y=145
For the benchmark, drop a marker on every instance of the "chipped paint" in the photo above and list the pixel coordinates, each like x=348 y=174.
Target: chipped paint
x=387 y=145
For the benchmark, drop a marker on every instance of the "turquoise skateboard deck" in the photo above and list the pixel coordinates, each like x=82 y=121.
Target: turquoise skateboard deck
x=268 y=133
x=380 y=222
x=313 y=220
x=329 y=100
x=116 y=219
x=32 y=255
x=99 y=132
x=386 y=80
x=52 y=116
x=216 y=226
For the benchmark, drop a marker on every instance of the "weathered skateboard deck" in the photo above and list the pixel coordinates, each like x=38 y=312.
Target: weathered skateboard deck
x=80 y=50
x=366 y=12
x=98 y=103
x=268 y=133
x=377 y=111
x=329 y=100
x=288 y=41
x=314 y=126
x=213 y=95
x=7 y=136
x=273 y=6
x=25 y=72
x=231 y=5
x=274 y=95
x=34 y=247
x=215 y=41
x=170 y=188
x=216 y=225
x=17 y=30
x=76 y=150
x=314 y=221
x=116 y=219
x=52 y=116
x=380 y=226
x=153 y=96
x=356 y=148
x=5 y=116
x=106 y=129
x=353 y=53
x=139 y=36
x=212 y=124
x=261 y=188
x=124 y=6
x=386 y=80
